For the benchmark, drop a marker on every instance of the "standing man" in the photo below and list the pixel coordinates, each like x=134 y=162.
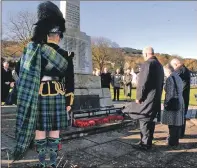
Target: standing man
x=184 y=74
x=6 y=81
x=148 y=101
x=127 y=81
x=41 y=96
x=116 y=80
x=105 y=79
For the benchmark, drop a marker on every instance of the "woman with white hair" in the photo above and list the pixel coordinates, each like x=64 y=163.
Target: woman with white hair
x=173 y=114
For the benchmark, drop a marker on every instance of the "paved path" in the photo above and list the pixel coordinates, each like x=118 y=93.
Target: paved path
x=113 y=150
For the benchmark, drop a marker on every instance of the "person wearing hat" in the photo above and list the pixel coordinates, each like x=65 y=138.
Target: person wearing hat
x=41 y=95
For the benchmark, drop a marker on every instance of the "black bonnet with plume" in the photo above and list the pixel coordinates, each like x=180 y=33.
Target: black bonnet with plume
x=49 y=17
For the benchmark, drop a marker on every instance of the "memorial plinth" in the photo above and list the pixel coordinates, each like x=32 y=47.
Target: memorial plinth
x=87 y=86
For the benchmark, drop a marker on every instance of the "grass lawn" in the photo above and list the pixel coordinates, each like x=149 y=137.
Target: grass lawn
x=193 y=101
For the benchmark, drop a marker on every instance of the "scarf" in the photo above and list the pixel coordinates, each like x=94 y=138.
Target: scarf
x=27 y=92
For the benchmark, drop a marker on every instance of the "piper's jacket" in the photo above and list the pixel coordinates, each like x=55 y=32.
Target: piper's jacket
x=67 y=78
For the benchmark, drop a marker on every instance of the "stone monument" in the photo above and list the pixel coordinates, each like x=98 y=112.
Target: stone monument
x=88 y=91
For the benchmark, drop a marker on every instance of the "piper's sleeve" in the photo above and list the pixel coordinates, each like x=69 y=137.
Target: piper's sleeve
x=69 y=80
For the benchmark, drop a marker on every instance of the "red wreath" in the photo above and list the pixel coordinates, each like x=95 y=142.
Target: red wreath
x=96 y=121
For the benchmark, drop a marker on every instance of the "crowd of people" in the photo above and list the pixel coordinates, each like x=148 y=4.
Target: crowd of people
x=118 y=81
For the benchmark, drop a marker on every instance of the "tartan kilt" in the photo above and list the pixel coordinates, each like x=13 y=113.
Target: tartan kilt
x=52 y=113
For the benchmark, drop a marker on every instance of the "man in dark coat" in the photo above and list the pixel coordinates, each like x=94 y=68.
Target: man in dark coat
x=105 y=79
x=184 y=74
x=148 y=101
x=6 y=81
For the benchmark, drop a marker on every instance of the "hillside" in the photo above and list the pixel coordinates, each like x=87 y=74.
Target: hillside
x=128 y=50
x=12 y=51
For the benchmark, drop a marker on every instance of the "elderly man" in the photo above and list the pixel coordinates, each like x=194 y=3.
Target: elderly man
x=148 y=101
x=116 y=82
x=184 y=74
x=6 y=81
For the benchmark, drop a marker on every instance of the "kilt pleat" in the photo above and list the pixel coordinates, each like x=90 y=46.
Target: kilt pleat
x=52 y=113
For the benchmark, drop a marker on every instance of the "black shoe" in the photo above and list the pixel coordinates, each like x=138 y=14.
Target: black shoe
x=141 y=147
x=114 y=99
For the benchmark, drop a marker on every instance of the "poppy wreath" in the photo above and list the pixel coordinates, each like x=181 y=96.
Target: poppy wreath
x=96 y=121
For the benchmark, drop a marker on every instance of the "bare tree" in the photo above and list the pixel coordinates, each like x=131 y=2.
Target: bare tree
x=105 y=52
x=19 y=27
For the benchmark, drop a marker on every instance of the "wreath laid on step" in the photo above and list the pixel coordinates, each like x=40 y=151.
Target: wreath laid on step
x=82 y=123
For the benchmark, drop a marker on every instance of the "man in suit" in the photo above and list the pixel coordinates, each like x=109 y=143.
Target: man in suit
x=116 y=82
x=184 y=74
x=148 y=98
x=6 y=81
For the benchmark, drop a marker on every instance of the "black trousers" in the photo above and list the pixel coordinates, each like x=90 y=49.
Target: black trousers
x=183 y=129
x=147 y=129
x=116 y=93
x=4 y=92
x=184 y=125
x=174 y=135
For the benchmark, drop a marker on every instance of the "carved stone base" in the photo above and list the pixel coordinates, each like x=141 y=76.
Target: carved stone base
x=89 y=86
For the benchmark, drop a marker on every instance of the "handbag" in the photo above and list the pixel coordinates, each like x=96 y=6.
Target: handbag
x=173 y=104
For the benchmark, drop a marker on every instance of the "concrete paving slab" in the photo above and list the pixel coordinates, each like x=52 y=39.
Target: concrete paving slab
x=77 y=144
x=110 y=150
x=105 y=137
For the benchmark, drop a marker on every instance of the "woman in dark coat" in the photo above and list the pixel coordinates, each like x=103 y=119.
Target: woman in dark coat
x=174 y=118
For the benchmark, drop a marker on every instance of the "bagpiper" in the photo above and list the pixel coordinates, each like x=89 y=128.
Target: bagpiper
x=43 y=88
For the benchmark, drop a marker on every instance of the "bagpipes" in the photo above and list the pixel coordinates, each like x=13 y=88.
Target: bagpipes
x=95 y=117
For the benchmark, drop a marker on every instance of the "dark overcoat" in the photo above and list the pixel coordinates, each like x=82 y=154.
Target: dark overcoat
x=105 y=80
x=149 y=91
x=6 y=76
x=184 y=74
